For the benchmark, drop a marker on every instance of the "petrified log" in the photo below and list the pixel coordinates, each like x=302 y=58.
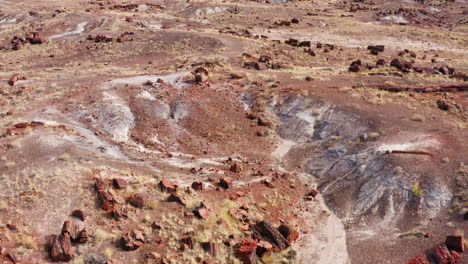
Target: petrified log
x=264 y=230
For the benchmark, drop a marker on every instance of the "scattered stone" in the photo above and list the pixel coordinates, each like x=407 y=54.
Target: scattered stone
x=15 y=78
x=201 y=75
x=401 y=65
x=132 y=240
x=119 y=183
x=137 y=200
x=239 y=214
x=253 y=65
x=263 y=247
x=456 y=243
x=60 y=248
x=203 y=211
x=120 y=212
x=225 y=183
x=79 y=214
x=311 y=195
x=446 y=70
x=304 y=43
x=247 y=250
x=419 y=259
x=443 y=255
x=310 y=52
x=210 y=247
x=381 y=63
x=186 y=243
x=376 y=49
x=197 y=185
x=264 y=230
x=167 y=185
x=355 y=66
x=295 y=20
x=100 y=38
x=173 y=197
x=236 y=167
x=456 y=256
x=289 y=233
x=35 y=38
x=77 y=232
x=107 y=200
x=292 y=42
x=443 y=105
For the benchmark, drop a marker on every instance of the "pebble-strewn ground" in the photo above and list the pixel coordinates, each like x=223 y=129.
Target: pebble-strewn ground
x=310 y=132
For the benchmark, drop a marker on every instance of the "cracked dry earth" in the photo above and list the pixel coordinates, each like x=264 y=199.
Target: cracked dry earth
x=310 y=132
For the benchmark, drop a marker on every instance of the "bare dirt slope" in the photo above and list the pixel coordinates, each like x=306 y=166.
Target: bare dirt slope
x=233 y=131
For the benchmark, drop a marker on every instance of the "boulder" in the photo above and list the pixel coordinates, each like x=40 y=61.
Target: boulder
x=355 y=66
x=264 y=247
x=253 y=65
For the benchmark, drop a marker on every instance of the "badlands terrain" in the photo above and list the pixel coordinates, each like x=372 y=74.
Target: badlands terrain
x=234 y=131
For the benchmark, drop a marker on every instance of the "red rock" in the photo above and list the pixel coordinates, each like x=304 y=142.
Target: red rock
x=137 y=200
x=401 y=65
x=236 y=167
x=225 y=183
x=60 y=248
x=119 y=183
x=456 y=243
x=186 y=243
x=456 y=256
x=119 y=212
x=252 y=116
x=355 y=66
x=173 y=197
x=79 y=214
x=304 y=43
x=312 y=193
x=14 y=79
x=419 y=259
x=289 y=233
x=76 y=232
x=239 y=214
x=107 y=200
x=264 y=247
x=132 y=240
x=443 y=105
x=253 y=65
x=264 y=230
x=292 y=42
x=210 y=247
x=167 y=185
x=203 y=211
x=380 y=63
x=443 y=255
x=197 y=185
x=310 y=52
x=246 y=251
